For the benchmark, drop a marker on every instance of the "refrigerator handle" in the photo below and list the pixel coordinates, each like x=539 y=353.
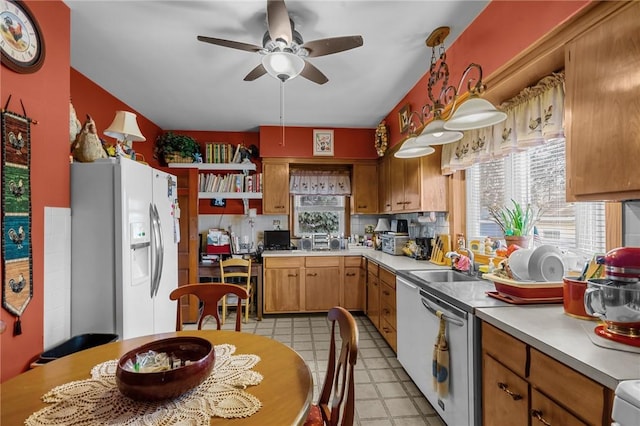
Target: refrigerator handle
x=159 y=250
x=154 y=248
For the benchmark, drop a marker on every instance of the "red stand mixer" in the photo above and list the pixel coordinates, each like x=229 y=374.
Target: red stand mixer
x=616 y=298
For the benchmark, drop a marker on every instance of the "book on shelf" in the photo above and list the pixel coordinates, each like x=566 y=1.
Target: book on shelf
x=220 y=152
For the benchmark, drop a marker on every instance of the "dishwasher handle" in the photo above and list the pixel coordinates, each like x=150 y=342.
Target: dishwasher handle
x=449 y=318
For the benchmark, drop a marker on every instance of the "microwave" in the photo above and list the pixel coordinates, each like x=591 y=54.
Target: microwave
x=393 y=244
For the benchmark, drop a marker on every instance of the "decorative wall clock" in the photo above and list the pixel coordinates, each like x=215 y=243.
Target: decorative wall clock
x=382 y=139
x=21 y=42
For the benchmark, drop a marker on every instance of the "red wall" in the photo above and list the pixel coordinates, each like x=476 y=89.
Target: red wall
x=45 y=95
x=499 y=33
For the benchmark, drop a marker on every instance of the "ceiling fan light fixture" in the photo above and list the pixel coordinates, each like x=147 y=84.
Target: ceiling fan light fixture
x=474 y=113
x=434 y=133
x=283 y=65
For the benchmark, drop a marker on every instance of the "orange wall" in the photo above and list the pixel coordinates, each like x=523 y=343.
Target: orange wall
x=499 y=33
x=45 y=95
x=298 y=142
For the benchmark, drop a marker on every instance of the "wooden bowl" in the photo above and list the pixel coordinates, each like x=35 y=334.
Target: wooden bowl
x=170 y=383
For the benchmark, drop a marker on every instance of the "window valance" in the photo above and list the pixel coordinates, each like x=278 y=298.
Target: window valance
x=534 y=116
x=320 y=182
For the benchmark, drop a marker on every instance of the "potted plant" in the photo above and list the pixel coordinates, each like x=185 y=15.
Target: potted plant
x=176 y=148
x=516 y=222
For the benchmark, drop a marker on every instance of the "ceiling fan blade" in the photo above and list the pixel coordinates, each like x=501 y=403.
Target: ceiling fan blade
x=327 y=46
x=278 y=21
x=232 y=44
x=258 y=71
x=312 y=73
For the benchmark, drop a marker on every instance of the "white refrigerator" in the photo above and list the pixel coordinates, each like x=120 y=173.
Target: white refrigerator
x=124 y=252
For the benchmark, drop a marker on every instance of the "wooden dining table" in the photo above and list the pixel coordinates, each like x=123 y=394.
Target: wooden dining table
x=285 y=392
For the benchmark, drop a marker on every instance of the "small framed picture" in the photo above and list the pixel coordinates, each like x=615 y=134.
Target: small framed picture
x=403 y=118
x=323 y=142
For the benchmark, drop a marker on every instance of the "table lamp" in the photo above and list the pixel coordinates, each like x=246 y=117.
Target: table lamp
x=125 y=129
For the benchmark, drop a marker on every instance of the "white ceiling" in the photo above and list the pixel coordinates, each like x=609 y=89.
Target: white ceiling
x=145 y=53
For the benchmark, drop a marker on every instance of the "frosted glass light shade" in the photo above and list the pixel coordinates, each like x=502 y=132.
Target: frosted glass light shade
x=474 y=113
x=383 y=225
x=283 y=65
x=410 y=149
x=434 y=133
x=125 y=128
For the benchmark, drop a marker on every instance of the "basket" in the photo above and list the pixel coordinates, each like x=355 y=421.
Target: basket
x=175 y=157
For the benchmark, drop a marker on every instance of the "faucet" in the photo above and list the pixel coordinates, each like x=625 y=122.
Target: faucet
x=471 y=257
x=454 y=255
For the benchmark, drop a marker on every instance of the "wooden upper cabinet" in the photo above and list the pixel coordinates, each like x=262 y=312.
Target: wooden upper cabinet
x=275 y=195
x=364 y=188
x=434 y=184
x=602 y=109
x=405 y=185
x=384 y=185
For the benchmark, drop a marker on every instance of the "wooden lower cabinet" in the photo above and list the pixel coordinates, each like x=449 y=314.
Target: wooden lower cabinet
x=523 y=386
x=313 y=283
x=381 y=302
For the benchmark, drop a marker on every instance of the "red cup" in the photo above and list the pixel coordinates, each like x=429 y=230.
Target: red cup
x=573 y=298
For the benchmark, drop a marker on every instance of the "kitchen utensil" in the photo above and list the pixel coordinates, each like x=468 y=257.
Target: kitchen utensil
x=573 y=290
x=169 y=383
x=615 y=302
x=583 y=273
x=545 y=264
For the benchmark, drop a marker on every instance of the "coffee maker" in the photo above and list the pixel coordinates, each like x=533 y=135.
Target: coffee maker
x=424 y=248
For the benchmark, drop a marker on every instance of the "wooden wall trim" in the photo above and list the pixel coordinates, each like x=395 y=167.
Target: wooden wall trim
x=319 y=161
x=613 y=222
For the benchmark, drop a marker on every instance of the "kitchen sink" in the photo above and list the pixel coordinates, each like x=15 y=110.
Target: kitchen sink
x=443 y=276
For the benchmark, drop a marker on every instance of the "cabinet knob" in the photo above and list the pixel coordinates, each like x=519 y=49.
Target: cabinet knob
x=509 y=392
x=292 y=275
x=385 y=292
x=312 y=275
x=362 y=207
x=351 y=274
x=537 y=414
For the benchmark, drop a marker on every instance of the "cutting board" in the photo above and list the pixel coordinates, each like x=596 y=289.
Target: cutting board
x=441 y=245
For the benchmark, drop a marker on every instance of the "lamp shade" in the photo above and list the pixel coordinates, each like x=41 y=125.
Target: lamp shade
x=125 y=127
x=434 y=133
x=383 y=225
x=474 y=113
x=410 y=149
x=283 y=65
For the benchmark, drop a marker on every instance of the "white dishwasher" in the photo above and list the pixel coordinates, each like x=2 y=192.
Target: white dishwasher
x=417 y=330
x=626 y=404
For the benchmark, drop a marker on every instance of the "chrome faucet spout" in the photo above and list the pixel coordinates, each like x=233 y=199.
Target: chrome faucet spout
x=471 y=257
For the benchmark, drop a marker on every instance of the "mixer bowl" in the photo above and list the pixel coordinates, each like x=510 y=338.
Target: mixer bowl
x=615 y=302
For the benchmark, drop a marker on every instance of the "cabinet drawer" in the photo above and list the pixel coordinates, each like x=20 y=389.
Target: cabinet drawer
x=388 y=312
x=372 y=267
x=581 y=395
x=507 y=349
x=546 y=412
x=353 y=261
x=283 y=262
x=388 y=331
x=504 y=395
x=388 y=277
x=314 y=261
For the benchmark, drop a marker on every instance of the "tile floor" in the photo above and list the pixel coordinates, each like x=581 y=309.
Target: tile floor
x=385 y=395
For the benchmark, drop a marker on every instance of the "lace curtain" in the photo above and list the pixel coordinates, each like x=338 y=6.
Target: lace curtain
x=535 y=116
x=319 y=182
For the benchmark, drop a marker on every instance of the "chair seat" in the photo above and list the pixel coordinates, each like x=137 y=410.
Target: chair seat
x=315 y=417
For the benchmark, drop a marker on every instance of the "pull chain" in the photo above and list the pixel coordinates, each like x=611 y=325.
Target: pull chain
x=282 y=109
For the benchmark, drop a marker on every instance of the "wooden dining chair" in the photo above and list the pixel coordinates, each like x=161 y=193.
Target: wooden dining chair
x=237 y=271
x=209 y=296
x=338 y=409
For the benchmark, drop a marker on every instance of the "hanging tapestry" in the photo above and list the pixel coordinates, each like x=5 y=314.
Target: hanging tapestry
x=17 y=287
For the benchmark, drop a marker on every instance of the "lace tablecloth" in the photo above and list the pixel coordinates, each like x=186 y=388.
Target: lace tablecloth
x=97 y=401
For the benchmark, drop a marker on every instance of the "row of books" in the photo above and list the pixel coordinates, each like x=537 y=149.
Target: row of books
x=232 y=182
x=222 y=153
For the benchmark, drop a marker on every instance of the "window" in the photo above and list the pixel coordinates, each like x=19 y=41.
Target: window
x=318 y=214
x=535 y=176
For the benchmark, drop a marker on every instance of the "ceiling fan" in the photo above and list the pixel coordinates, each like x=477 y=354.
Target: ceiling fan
x=283 y=50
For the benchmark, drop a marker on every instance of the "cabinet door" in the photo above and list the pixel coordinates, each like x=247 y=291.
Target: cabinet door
x=546 y=412
x=602 y=110
x=434 y=184
x=396 y=181
x=282 y=290
x=412 y=184
x=275 y=196
x=354 y=288
x=365 y=188
x=321 y=288
x=384 y=185
x=504 y=395
x=373 y=299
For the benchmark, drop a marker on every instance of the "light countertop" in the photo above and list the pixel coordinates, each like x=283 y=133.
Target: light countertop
x=568 y=340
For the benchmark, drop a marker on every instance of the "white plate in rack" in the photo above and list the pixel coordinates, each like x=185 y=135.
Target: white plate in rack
x=545 y=264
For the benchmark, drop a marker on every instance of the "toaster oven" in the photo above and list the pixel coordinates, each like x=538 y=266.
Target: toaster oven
x=393 y=244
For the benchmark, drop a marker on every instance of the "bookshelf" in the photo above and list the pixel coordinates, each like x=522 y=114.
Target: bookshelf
x=245 y=168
